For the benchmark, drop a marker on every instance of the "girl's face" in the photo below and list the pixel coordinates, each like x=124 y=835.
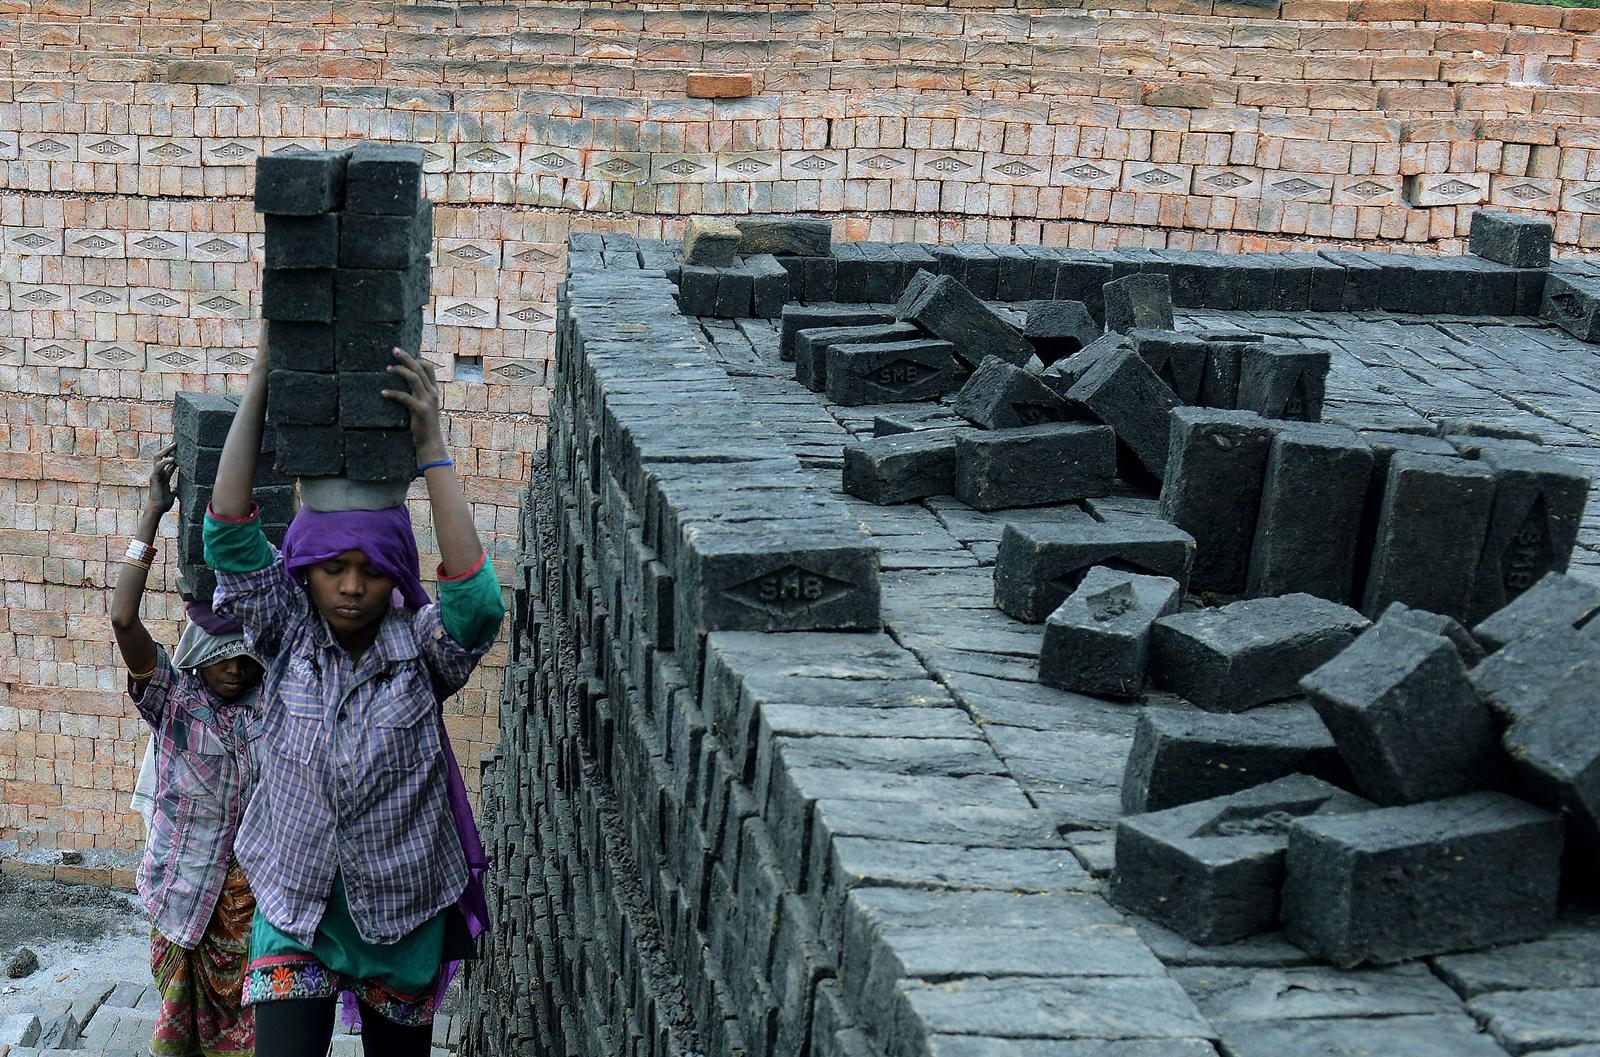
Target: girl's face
x=349 y=592
x=231 y=679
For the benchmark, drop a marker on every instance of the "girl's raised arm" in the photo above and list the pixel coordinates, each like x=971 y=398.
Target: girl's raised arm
x=133 y=639
x=230 y=497
x=460 y=550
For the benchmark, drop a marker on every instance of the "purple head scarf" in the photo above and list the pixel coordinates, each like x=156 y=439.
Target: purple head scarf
x=384 y=536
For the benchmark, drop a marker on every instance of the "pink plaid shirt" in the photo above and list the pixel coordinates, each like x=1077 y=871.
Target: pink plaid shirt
x=352 y=763
x=205 y=771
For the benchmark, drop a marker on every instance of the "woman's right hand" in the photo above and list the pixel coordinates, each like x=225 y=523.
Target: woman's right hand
x=161 y=498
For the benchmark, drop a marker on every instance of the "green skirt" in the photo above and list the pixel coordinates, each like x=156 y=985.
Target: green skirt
x=397 y=979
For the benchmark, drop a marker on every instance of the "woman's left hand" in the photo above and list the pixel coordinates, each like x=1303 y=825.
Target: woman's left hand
x=422 y=401
x=160 y=498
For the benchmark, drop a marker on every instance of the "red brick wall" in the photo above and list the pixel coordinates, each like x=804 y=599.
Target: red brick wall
x=128 y=127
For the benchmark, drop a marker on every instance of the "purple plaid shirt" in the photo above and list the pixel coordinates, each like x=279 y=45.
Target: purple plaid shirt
x=205 y=771
x=352 y=763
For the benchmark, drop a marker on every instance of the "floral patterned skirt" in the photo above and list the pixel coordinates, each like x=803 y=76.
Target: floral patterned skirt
x=302 y=976
x=201 y=1009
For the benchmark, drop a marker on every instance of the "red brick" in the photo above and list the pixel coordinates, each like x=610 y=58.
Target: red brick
x=1520 y=14
x=1461 y=11
x=1390 y=10
x=1318 y=10
x=1189 y=95
x=1581 y=20
x=719 y=85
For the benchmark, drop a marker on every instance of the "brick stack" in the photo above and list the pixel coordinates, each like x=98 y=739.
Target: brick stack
x=347 y=276
x=200 y=422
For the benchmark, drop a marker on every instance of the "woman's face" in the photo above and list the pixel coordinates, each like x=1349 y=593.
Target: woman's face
x=349 y=591
x=233 y=678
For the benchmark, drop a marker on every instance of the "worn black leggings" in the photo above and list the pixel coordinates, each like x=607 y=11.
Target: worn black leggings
x=303 y=1027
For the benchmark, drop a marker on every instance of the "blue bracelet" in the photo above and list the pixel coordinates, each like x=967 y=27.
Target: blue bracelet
x=434 y=465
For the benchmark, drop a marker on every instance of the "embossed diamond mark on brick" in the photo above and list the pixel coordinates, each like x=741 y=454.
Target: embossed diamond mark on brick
x=788 y=590
x=532 y=255
x=106 y=148
x=1085 y=171
x=1296 y=186
x=1156 y=178
x=1527 y=192
x=623 y=167
x=158 y=301
x=1368 y=189
x=466 y=311
x=552 y=160
x=528 y=315
x=748 y=166
x=217 y=246
x=116 y=354
x=32 y=240
x=236 y=358
x=812 y=163
x=1227 y=181
x=170 y=151
x=230 y=151
x=469 y=254
x=433 y=154
x=220 y=304
x=176 y=358
x=682 y=167
x=53 y=353
x=511 y=372
x=40 y=297
x=488 y=156
x=948 y=165
x=880 y=162
x=156 y=244
x=1591 y=196
x=1016 y=169
x=1453 y=188
x=50 y=148
x=94 y=243
x=99 y=297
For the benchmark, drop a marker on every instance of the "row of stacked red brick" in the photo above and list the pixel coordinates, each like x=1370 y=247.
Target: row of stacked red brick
x=347 y=275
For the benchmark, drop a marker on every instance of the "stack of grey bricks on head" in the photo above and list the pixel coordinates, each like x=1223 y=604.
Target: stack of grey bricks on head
x=347 y=277
x=200 y=423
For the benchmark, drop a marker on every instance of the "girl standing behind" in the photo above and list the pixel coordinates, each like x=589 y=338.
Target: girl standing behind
x=201 y=706
x=352 y=848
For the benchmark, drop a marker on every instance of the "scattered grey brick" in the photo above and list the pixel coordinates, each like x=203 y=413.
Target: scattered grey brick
x=1034 y=465
x=1511 y=239
x=1492 y=865
x=1211 y=870
x=1098 y=640
x=1142 y=301
x=1407 y=721
x=1250 y=652
x=1180 y=756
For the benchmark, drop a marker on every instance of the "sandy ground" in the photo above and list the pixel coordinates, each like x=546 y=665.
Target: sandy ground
x=79 y=933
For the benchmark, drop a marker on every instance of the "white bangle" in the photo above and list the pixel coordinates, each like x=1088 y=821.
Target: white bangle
x=140 y=552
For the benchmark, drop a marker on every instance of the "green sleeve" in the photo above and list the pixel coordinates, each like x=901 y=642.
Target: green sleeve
x=236 y=546
x=471 y=607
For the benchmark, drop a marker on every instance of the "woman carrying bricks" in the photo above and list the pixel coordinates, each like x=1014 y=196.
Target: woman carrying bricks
x=201 y=704
x=359 y=844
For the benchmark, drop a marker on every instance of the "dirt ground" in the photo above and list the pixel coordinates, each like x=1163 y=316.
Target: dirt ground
x=79 y=933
